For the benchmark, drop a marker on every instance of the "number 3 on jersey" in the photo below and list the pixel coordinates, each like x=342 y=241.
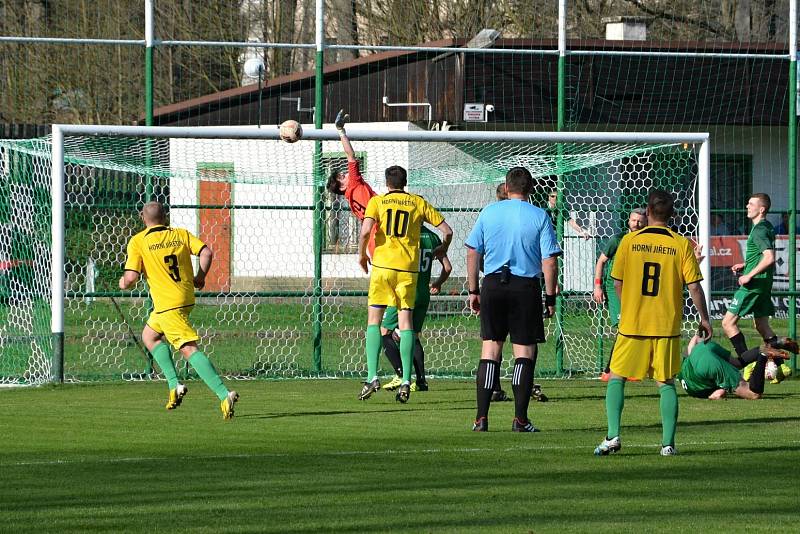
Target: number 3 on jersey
x=172 y=265
x=650 y=278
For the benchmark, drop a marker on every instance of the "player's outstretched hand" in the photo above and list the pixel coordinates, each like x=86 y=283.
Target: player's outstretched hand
x=364 y=262
x=341 y=120
x=435 y=289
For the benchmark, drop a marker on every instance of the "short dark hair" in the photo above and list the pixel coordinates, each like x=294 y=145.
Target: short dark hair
x=519 y=181
x=764 y=199
x=396 y=177
x=661 y=205
x=333 y=183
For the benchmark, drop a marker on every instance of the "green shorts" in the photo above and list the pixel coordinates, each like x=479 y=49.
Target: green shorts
x=419 y=313
x=746 y=301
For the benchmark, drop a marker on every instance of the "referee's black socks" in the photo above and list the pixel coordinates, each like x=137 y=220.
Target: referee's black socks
x=522 y=385
x=484 y=383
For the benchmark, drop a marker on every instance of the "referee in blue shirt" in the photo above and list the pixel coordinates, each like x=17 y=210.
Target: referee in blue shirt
x=515 y=242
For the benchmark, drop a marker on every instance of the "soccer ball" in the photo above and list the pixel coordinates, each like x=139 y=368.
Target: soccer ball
x=771 y=370
x=291 y=131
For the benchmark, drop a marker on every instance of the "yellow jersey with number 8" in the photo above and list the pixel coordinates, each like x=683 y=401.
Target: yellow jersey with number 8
x=399 y=216
x=654 y=264
x=164 y=256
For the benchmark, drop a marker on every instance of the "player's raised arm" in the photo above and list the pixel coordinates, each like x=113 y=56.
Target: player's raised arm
x=340 y=121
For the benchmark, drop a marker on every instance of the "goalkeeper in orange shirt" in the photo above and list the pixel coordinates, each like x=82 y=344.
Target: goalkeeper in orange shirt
x=351 y=184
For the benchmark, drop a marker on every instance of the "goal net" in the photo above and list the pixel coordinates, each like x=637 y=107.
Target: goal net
x=286 y=297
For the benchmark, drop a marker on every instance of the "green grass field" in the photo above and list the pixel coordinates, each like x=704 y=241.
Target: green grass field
x=306 y=456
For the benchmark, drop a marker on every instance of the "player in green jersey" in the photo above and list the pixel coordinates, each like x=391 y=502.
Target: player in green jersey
x=604 y=284
x=710 y=372
x=754 y=295
x=428 y=242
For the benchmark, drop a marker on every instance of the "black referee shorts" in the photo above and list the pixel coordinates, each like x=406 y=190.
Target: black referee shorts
x=513 y=309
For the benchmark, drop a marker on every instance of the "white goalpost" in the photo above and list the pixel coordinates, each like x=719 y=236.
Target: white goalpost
x=288 y=300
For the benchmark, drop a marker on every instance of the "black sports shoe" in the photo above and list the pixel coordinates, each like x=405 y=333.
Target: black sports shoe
x=500 y=396
x=419 y=386
x=537 y=394
x=481 y=425
x=403 y=393
x=523 y=426
x=368 y=389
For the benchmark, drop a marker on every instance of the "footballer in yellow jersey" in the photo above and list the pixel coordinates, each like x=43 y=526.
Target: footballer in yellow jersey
x=651 y=267
x=654 y=264
x=163 y=255
x=398 y=216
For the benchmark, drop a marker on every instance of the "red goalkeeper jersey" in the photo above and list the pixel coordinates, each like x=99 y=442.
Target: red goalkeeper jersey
x=358 y=193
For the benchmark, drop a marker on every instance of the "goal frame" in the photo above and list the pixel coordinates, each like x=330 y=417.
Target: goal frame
x=60 y=131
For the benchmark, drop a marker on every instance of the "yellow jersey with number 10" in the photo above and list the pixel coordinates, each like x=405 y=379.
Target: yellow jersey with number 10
x=654 y=264
x=164 y=255
x=399 y=216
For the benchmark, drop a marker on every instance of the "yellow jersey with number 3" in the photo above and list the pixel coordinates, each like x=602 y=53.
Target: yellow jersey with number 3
x=654 y=264
x=399 y=216
x=164 y=255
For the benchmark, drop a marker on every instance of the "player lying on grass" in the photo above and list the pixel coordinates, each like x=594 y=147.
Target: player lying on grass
x=163 y=255
x=428 y=242
x=710 y=372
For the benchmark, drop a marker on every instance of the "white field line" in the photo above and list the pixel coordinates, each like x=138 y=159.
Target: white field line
x=588 y=449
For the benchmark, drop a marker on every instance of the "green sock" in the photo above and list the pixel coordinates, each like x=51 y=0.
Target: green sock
x=373 y=350
x=615 y=401
x=163 y=358
x=206 y=371
x=669 y=413
x=407 y=353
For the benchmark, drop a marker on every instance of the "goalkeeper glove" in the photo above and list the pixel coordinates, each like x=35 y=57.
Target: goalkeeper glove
x=341 y=120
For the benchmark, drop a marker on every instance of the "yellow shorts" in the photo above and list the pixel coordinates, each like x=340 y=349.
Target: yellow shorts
x=639 y=357
x=388 y=287
x=174 y=325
